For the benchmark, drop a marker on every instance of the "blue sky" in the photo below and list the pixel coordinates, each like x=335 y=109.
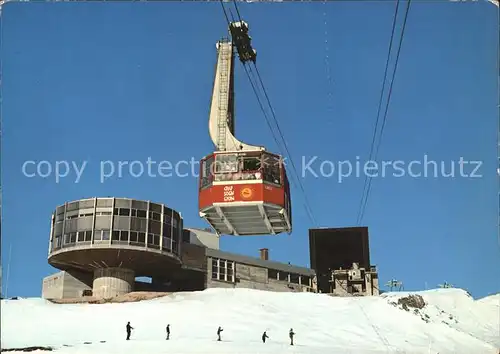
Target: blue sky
x=128 y=81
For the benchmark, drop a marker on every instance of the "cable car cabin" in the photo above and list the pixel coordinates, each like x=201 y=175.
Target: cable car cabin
x=245 y=193
x=241 y=40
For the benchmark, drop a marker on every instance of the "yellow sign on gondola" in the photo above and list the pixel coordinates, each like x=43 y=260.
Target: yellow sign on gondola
x=246 y=193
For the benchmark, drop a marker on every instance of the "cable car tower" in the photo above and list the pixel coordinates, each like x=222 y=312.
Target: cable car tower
x=243 y=189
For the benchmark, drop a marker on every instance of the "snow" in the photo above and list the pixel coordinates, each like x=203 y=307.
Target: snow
x=323 y=324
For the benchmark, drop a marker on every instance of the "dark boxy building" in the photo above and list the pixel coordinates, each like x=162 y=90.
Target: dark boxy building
x=339 y=247
x=340 y=257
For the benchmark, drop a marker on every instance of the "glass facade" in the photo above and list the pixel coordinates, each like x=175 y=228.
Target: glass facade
x=116 y=221
x=241 y=166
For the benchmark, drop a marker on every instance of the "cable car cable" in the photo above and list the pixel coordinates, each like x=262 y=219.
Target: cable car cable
x=306 y=201
x=249 y=73
x=260 y=104
x=365 y=182
x=382 y=338
x=386 y=107
x=224 y=10
x=309 y=209
x=387 y=104
x=254 y=87
x=237 y=11
x=249 y=79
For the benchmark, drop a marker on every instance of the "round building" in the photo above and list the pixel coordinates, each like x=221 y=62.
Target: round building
x=114 y=240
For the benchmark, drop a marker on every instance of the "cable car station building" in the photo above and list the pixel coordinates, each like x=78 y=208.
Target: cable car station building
x=101 y=245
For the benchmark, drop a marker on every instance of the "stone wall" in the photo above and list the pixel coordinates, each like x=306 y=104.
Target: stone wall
x=368 y=286
x=253 y=277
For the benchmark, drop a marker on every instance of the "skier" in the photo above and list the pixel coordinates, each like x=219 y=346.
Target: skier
x=168 y=331
x=264 y=336
x=129 y=330
x=291 y=334
x=219 y=330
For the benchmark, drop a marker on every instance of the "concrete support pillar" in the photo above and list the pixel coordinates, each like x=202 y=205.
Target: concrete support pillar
x=111 y=282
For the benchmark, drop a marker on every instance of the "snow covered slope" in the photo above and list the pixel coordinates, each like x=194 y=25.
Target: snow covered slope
x=323 y=324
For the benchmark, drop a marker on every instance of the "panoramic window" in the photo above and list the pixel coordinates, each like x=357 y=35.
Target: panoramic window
x=167 y=231
x=138 y=224
x=206 y=177
x=155 y=216
x=166 y=243
x=124 y=212
x=251 y=164
x=84 y=236
x=97 y=235
x=250 y=167
x=226 y=163
x=155 y=227
x=103 y=213
x=175 y=234
x=272 y=170
x=124 y=236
